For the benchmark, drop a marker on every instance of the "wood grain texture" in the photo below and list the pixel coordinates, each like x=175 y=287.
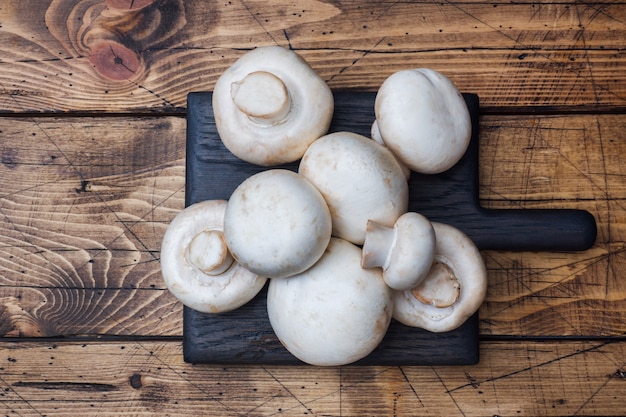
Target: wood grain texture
x=82 y=224
x=570 y=161
x=150 y=378
x=130 y=56
x=84 y=201
x=84 y=204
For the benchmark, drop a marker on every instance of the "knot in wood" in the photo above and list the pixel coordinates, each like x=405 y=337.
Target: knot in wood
x=115 y=61
x=135 y=381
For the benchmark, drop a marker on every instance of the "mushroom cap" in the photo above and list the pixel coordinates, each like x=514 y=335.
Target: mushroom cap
x=334 y=313
x=277 y=223
x=223 y=292
x=409 y=248
x=360 y=181
x=309 y=108
x=456 y=252
x=423 y=119
x=375 y=134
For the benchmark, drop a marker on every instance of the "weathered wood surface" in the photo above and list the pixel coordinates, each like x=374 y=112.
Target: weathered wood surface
x=128 y=56
x=83 y=207
x=150 y=378
x=85 y=202
x=567 y=161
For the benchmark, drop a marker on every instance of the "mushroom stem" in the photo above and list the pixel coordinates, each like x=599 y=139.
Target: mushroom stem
x=440 y=288
x=405 y=251
x=208 y=252
x=453 y=289
x=377 y=245
x=263 y=97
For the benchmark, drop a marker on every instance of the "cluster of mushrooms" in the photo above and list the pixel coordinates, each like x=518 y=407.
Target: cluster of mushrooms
x=342 y=254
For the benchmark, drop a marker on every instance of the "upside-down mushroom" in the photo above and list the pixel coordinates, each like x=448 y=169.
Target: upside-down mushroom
x=405 y=251
x=453 y=289
x=270 y=105
x=196 y=265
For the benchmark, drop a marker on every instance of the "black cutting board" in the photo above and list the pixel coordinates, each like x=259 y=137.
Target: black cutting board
x=244 y=336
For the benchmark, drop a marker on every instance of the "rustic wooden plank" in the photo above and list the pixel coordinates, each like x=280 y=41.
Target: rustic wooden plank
x=150 y=377
x=84 y=204
x=570 y=161
x=110 y=56
x=80 y=224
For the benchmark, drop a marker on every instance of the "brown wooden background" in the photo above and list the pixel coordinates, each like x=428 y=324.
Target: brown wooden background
x=92 y=134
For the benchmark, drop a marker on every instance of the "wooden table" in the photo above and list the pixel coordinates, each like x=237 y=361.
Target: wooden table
x=93 y=96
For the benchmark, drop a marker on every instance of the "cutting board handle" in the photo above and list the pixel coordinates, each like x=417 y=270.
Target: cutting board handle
x=537 y=230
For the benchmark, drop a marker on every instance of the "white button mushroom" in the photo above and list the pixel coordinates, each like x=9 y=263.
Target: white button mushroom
x=277 y=223
x=405 y=251
x=453 y=290
x=422 y=117
x=359 y=179
x=335 y=313
x=270 y=105
x=196 y=265
x=375 y=134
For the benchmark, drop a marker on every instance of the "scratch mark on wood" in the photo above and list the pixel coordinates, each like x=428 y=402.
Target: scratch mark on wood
x=530 y=368
x=262 y=404
x=258 y=21
x=356 y=61
x=406 y=378
x=597 y=391
x=583 y=38
x=24 y=400
x=522 y=279
x=288 y=39
x=283 y=386
x=449 y=392
x=585 y=74
x=386 y=9
x=472 y=379
x=166 y=102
